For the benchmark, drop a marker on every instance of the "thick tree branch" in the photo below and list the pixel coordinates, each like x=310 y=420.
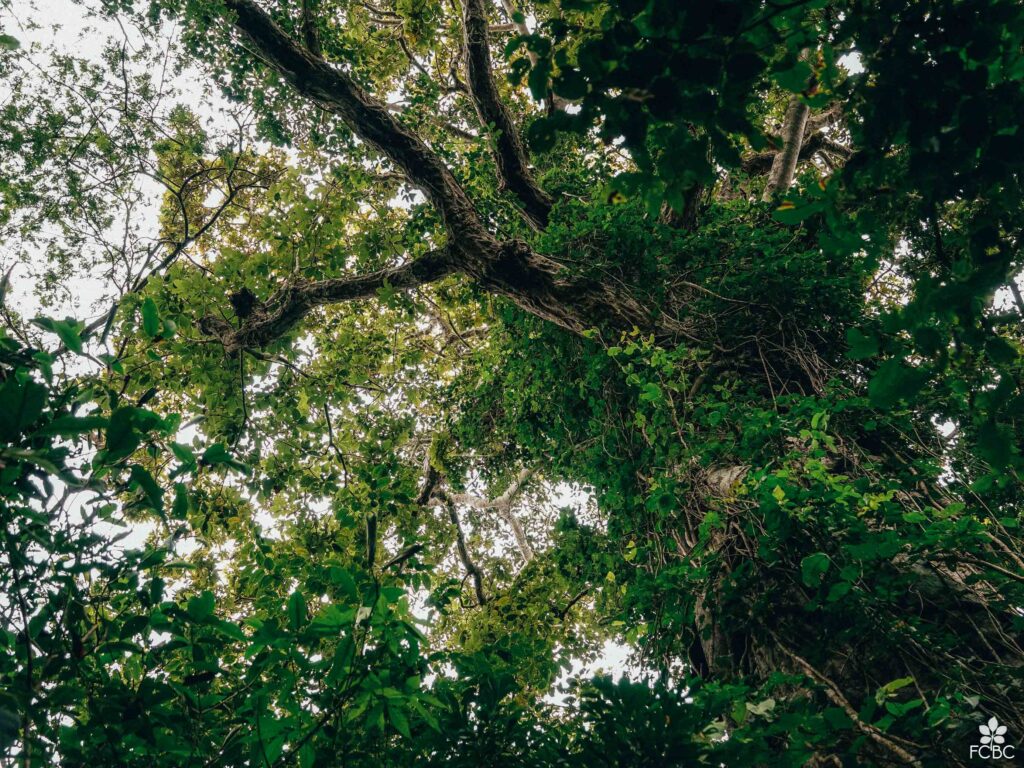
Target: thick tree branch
x=309 y=33
x=294 y=301
x=784 y=165
x=509 y=152
x=430 y=480
x=518 y=532
x=823 y=119
x=367 y=116
x=467 y=562
x=813 y=143
x=502 y=505
x=536 y=283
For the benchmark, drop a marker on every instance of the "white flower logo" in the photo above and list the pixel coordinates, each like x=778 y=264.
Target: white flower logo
x=992 y=732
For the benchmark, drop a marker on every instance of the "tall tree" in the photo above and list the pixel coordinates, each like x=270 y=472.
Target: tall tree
x=742 y=275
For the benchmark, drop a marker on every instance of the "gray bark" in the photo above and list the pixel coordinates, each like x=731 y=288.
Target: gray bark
x=780 y=178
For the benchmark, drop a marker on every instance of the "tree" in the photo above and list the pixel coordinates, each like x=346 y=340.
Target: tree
x=743 y=275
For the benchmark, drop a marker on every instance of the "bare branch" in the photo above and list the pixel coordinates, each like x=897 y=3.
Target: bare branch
x=309 y=34
x=509 y=152
x=836 y=696
x=502 y=505
x=294 y=301
x=813 y=143
x=471 y=568
x=525 y=548
x=784 y=164
x=176 y=249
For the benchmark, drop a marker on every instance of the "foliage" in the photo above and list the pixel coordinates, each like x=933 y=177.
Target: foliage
x=365 y=458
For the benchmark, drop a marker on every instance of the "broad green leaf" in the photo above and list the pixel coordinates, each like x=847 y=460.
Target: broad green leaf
x=200 y=607
x=813 y=568
x=150 y=318
x=861 y=346
x=21 y=403
x=399 y=721
x=297 y=611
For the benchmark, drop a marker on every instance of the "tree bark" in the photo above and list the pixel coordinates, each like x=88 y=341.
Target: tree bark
x=535 y=282
x=780 y=178
x=509 y=152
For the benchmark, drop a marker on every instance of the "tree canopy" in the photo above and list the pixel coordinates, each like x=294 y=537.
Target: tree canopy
x=369 y=368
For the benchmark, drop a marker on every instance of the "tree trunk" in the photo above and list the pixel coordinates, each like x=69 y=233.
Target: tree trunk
x=780 y=178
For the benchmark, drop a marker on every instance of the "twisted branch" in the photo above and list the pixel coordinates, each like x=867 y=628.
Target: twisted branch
x=272 y=319
x=509 y=152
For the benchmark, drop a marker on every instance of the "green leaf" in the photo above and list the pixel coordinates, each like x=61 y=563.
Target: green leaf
x=425 y=713
x=994 y=445
x=792 y=213
x=69 y=426
x=651 y=393
x=21 y=403
x=538 y=79
x=342 y=579
x=861 y=346
x=200 y=607
x=838 y=591
x=761 y=708
x=32 y=457
x=813 y=568
x=795 y=78
x=181 y=504
x=133 y=626
x=331 y=622
x=122 y=437
x=892 y=687
x=895 y=381
x=68 y=331
x=10 y=724
x=399 y=720
x=150 y=318
x=184 y=454
x=230 y=629
x=297 y=611
x=570 y=85
x=218 y=454
x=9 y=43
x=153 y=493
x=1000 y=350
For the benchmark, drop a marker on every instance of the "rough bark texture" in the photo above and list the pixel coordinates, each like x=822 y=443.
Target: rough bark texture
x=509 y=153
x=534 y=282
x=368 y=117
x=784 y=164
x=812 y=144
x=274 y=318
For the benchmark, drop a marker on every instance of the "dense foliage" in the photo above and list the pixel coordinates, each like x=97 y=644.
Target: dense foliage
x=433 y=349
